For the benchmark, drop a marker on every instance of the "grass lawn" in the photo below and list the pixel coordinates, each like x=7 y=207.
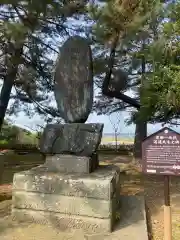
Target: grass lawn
x=120 y=140
x=132 y=183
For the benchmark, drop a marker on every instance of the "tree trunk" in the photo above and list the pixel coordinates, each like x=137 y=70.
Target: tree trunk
x=4 y=98
x=141 y=126
x=116 y=139
x=8 y=83
x=140 y=135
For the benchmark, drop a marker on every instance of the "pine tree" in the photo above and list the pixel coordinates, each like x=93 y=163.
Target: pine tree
x=29 y=30
x=163 y=90
x=127 y=26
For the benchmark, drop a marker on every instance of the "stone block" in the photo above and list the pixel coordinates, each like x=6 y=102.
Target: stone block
x=63 y=222
x=103 y=183
x=83 y=206
x=76 y=138
x=71 y=163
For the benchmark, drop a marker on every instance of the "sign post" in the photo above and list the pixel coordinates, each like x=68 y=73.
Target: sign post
x=167 y=210
x=161 y=156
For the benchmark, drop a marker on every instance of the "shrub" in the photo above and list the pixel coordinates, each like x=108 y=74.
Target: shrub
x=113 y=147
x=120 y=148
x=20 y=147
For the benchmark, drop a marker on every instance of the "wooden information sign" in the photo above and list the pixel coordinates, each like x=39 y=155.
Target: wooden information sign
x=161 y=156
x=161 y=153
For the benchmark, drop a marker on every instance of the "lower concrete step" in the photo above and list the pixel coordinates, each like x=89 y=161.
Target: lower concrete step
x=83 y=206
x=64 y=222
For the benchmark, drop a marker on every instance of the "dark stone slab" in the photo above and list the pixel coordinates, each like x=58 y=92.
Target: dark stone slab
x=72 y=163
x=95 y=162
x=104 y=183
x=76 y=138
x=74 y=80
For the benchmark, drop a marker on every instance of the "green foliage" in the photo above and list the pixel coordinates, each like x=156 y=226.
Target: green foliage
x=37 y=26
x=148 y=51
x=161 y=97
x=131 y=23
x=8 y=133
x=122 y=17
x=11 y=134
x=21 y=147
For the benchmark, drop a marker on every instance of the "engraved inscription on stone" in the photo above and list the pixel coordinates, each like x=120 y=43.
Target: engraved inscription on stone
x=64 y=204
x=96 y=185
x=62 y=221
x=74 y=80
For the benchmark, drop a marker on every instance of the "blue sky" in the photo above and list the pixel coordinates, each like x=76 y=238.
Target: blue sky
x=115 y=120
x=32 y=123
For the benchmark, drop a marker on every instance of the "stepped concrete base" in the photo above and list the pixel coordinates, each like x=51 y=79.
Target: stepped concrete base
x=87 y=201
x=89 y=207
x=63 y=222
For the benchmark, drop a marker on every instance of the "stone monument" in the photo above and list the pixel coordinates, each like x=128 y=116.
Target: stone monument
x=71 y=189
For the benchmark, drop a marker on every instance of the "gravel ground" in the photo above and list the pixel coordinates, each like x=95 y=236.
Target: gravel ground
x=132 y=184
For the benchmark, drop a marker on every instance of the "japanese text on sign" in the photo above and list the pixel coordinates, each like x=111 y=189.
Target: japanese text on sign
x=161 y=153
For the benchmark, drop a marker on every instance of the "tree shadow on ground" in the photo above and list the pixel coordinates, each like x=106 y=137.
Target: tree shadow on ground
x=154 y=197
x=132 y=211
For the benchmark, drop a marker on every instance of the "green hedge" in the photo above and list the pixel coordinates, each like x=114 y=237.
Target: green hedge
x=122 y=147
x=20 y=147
x=34 y=148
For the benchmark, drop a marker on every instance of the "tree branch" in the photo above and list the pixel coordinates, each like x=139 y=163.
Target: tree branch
x=105 y=87
x=43 y=43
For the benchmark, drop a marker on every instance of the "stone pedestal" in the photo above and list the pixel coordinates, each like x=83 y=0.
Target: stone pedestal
x=71 y=163
x=68 y=200
x=70 y=190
